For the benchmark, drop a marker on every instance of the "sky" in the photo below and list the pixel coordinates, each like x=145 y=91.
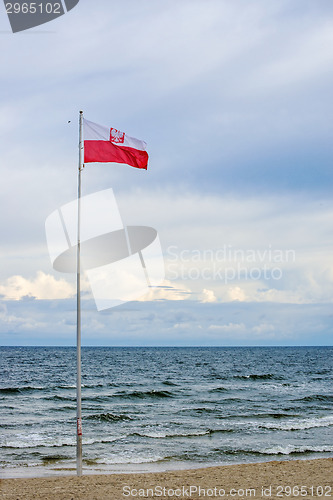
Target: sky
x=234 y=99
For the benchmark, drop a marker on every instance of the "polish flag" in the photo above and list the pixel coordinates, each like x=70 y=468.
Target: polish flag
x=104 y=145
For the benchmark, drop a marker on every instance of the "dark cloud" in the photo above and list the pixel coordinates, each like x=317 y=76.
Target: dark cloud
x=163 y=323
x=234 y=100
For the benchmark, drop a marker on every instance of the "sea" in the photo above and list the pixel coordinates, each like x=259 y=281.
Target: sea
x=153 y=409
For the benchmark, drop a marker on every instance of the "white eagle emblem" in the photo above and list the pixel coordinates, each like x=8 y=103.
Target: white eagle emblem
x=116 y=136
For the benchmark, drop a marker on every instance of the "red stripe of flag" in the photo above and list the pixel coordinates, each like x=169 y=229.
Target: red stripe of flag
x=106 y=152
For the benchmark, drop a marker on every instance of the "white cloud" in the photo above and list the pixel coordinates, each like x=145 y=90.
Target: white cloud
x=275 y=249
x=229 y=328
x=14 y=323
x=236 y=293
x=208 y=296
x=43 y=286
x=260 y=331
x=167 y=291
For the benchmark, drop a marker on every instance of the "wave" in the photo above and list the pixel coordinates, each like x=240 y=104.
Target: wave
x=296 y=450
x=218 y=389
x=223 y=401
x=273 y=415
x=53 y=387
x=49 y=459
x=299 y=425
x=324 y=371
x=279 y=450
x=24 y=388
x=241 y=399
x=108 y=417
x=316 y=397
x=145 y=394
x=63 y=408
x=217 y=376
x=92 y=386
x=199 y=410
x=72 y=398
x=56 y=397
x=258 y=376
x=189 y=434
x=31 y=444
x=36 y=442
x=131 y=460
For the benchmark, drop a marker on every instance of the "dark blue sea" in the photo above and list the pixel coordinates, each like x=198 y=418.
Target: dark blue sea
x=150 y=409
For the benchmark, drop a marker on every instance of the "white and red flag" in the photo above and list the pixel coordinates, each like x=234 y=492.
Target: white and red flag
x=105 y=145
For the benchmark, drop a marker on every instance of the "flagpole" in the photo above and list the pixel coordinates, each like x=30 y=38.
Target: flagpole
x=78 y=312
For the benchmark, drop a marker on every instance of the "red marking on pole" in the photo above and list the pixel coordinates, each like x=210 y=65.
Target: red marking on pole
x=79 y=427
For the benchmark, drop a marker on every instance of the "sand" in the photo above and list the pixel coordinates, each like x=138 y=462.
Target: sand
x=280 y=479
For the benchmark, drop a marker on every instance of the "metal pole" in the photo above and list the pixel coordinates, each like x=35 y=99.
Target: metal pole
x=78 y=313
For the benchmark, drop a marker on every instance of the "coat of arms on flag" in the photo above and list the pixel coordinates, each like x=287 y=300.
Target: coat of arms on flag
x=117 y=136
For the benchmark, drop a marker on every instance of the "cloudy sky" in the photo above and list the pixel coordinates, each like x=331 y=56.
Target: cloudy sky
x=234 y=99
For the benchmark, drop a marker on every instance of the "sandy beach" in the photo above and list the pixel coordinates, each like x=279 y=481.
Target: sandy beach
x=278 y=479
